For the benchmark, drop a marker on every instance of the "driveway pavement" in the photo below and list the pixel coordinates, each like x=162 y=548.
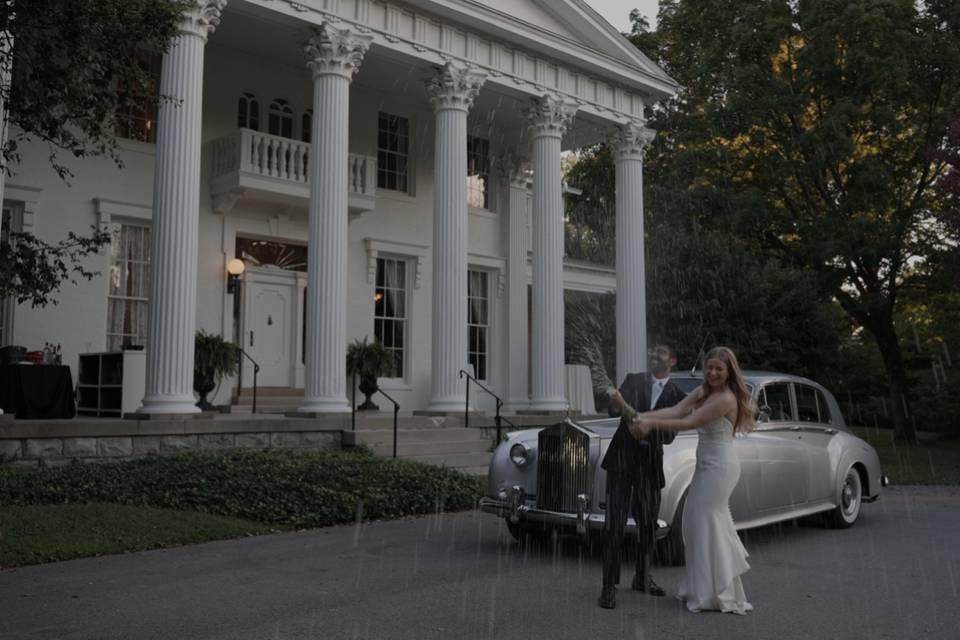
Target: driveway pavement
x=895 y=575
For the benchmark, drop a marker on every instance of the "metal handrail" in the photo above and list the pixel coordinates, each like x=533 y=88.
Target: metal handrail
x=241 y=354
x=497 y=419
x=396 y=410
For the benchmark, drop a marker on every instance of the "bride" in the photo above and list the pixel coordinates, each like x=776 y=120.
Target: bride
x=715 y=557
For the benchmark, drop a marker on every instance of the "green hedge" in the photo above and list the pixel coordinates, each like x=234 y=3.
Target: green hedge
x=286 y=488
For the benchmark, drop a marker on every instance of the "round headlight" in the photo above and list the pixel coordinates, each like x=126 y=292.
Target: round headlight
x=518 y=453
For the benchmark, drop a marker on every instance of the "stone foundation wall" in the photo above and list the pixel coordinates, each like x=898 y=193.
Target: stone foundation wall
x=26 y=443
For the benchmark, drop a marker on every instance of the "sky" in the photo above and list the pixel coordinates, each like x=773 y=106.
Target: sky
x=617 y=12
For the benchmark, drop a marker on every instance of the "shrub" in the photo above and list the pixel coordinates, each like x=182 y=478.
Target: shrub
x=306 y=489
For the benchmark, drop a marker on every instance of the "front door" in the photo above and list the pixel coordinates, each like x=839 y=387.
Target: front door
x=271 y=325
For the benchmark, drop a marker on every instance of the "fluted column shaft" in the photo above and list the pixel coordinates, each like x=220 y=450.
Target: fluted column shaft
x=549 y=118
x=334 y=56
x=452 y=91
x=631 y=271
x=176 y=215
x=517 y=371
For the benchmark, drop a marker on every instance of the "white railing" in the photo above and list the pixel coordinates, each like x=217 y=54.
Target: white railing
x=262 y=154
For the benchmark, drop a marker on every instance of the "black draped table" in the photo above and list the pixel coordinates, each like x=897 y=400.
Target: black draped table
x=36 y=391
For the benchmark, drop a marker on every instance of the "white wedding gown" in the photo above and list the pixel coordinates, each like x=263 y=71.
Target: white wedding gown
x=715 y=556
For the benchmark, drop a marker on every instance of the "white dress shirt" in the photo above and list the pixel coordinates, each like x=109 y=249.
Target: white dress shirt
x=656 y=388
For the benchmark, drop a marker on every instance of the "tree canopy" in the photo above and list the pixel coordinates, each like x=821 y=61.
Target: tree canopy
x=74 y=64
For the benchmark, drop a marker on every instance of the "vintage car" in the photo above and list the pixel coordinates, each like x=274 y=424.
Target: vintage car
x=801 y=460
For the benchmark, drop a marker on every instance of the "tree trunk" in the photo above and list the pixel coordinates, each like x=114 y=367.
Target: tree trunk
x=904 y=429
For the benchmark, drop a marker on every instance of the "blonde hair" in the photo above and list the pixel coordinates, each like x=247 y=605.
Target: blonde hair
x=735 y=382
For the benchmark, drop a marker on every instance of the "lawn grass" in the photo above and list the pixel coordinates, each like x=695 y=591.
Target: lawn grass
x=47 y=533
x=935 y=460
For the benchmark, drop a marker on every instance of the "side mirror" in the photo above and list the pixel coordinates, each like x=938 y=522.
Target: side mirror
x=763 y=413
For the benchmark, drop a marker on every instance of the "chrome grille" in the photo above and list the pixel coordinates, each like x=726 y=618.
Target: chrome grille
x=563 y=467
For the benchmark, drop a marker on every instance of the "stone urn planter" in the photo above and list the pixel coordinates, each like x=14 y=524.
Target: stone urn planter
x=369 y=361
x=213 y=359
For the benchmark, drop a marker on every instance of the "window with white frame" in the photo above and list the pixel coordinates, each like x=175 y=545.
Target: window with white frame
x=128 y=296
x=306 y=124
x=248 y=112
x=478 y=172
x=393 y=153
x=478 y=321
x=136 y=114
x=11 y=223
x=390 y=311
x=280 y=118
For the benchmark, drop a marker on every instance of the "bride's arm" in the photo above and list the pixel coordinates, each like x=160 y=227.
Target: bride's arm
x=717 y=405
x=678 y=410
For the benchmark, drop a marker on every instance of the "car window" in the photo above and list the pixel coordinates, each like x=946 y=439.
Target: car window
x=807 y=406
x=776 y=396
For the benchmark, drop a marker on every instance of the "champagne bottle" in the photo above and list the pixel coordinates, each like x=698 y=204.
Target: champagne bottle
x=628 y=413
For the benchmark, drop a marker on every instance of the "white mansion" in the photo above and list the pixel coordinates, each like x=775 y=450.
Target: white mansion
x=383 y=169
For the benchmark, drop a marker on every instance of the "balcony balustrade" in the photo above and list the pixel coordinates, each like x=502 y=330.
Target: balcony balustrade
x=251 y=163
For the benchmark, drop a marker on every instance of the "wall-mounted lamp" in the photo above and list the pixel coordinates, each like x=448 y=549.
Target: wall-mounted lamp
x=234 y=268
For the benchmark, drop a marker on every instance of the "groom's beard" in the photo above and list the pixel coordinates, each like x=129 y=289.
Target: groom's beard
x=659 y=367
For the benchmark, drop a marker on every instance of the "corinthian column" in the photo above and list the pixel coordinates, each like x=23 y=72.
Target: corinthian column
x=452 y=91
x=514 y=177
x=629 y=145
x=334 y=55
x=548 y=118
x=176 y=215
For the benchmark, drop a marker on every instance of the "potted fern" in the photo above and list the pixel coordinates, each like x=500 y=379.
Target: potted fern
x=213 y=358
x=369 y=360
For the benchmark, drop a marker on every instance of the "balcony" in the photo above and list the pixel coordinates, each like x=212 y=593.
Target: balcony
x=264 y=167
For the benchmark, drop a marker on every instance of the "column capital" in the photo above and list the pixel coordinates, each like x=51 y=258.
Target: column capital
x=200 y=17
x=454 y=87
x=336 y=51
x=515 y=169
x=550 y=115
x=630 y=141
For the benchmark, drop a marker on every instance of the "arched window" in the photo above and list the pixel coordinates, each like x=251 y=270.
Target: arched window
x=280 y=122
x=306 y=124
x=248 y=112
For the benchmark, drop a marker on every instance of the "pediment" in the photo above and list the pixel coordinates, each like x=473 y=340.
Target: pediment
x=577 y=22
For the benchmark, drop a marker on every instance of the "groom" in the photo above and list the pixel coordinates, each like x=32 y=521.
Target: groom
x=635 y=474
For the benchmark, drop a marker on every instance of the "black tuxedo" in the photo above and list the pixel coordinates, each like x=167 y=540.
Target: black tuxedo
x=635 y=476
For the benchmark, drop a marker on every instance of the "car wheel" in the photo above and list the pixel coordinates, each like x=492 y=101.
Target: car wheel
x=670 y=549
x=851 y=499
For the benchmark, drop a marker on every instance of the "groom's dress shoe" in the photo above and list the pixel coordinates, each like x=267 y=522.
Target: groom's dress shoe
x=647 y=585
x=608 y=597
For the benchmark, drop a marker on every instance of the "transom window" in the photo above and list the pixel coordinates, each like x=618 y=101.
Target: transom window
x=390 y=311
x=478 y=172
x=393 y=153
x=128 y=298
x=478 y=321
x=136 y=114
x=280 y=119
x=256 y=252
x=248 y=112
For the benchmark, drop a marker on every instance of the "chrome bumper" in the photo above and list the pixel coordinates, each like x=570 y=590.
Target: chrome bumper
x=517 y=508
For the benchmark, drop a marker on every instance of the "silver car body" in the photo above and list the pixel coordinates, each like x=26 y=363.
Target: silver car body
x=792 y=465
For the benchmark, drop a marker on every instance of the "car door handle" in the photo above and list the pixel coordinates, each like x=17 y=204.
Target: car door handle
x=794 y=428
